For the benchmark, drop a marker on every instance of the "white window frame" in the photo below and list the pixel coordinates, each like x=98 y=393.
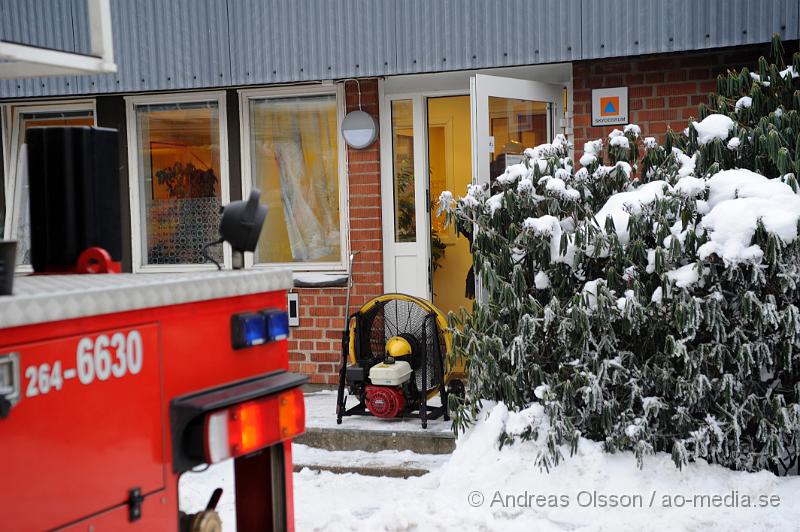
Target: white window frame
x=245 y=95
x=10 y=122
x=24 y=61
x=131 y=102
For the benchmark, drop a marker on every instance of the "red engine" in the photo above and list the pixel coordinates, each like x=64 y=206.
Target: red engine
x=385 y=401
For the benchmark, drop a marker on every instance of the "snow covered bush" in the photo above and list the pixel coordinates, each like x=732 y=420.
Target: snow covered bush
x=648 y=302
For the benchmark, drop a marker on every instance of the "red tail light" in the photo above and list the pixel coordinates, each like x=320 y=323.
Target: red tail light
x=247 y=427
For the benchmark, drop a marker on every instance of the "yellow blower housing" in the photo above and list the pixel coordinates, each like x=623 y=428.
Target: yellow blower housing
x=456 y=371
x=415 y=334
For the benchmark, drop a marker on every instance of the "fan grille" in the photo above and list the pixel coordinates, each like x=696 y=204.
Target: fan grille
x=402 y=317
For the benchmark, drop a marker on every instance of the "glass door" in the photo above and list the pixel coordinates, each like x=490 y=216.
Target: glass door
x=428 y=141
x=449 y=168
x=405 y=197
x=509 y=115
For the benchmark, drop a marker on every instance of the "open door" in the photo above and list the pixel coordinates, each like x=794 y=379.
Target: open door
x=424 y=144
x=509 y=115
x=405 y=197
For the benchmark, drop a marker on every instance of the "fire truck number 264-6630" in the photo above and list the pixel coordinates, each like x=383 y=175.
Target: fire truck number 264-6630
x=100 y=358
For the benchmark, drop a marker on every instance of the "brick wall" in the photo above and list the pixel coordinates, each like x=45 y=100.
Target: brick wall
x=315 y=346
x=664 y=91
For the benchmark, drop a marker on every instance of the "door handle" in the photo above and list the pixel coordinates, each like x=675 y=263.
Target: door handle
x=9 y=383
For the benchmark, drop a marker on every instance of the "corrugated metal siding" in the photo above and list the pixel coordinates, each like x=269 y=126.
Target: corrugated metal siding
x=41 y=23
x=275 y=41
x=164 y=44
x=464 y=34
x=177 y=44
x=615 y=28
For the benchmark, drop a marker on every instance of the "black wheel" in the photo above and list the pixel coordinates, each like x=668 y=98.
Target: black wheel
x=456 y=387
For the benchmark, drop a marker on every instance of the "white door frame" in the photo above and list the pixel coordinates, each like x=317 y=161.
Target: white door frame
x=482 y=87
x=414 y=253
x=421 y=247
x=508 y=87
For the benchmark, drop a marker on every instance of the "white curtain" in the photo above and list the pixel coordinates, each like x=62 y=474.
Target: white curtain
x=307 y=238
x=21 y=225
x=301 y=139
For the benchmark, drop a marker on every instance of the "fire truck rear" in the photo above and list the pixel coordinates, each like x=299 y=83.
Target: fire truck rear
x=115 y=385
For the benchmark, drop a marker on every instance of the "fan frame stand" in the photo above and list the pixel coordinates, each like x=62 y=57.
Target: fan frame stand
x=425 y=411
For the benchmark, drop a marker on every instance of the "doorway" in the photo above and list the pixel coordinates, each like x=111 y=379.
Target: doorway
x=449 y=168
x=444 y=132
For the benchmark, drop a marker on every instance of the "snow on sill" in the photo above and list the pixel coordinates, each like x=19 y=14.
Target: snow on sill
x=319 y=280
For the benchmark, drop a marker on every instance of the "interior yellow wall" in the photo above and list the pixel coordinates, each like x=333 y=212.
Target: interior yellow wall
x=450 y=164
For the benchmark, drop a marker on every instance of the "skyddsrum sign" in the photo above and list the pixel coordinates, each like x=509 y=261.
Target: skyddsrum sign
x=610 y=106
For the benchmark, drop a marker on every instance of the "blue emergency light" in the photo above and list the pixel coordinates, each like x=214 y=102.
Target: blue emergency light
x=249 y=329
x=277 y=324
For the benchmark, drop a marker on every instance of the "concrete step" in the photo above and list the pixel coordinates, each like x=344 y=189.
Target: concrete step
x=392 y=471
x=386 y=463
x=352 y=439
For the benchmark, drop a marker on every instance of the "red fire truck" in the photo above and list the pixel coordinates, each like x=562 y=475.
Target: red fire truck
x=115 y=385
x=112 y=386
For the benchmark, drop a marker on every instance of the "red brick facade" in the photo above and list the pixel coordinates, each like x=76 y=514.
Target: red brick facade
x=315 y=346
x=664 y=91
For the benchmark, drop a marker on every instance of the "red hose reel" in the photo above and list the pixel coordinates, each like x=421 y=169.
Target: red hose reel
x=385 y=401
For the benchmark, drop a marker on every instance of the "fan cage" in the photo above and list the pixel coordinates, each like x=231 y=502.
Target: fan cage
x=401 y=317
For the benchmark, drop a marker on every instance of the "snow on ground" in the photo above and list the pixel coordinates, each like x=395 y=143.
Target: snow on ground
x=195 y=489
x=483 y=488
x=303 y=454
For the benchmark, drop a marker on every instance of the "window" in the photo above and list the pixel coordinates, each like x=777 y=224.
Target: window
x=291 y=151
x=17 y=119
x=514 y=125
x=178 y=155
x=403 y=171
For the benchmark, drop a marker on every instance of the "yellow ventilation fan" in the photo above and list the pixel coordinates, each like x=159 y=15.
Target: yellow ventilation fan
x=394 y=359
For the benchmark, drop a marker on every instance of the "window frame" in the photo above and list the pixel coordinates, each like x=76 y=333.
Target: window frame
x=134 y=177
x=245 y=96
x=10 y=133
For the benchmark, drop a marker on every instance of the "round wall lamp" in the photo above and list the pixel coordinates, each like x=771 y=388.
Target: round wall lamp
x=359 y=128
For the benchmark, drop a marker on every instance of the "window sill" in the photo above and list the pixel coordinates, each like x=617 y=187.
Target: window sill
x=175 y=268
x=319 y=280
